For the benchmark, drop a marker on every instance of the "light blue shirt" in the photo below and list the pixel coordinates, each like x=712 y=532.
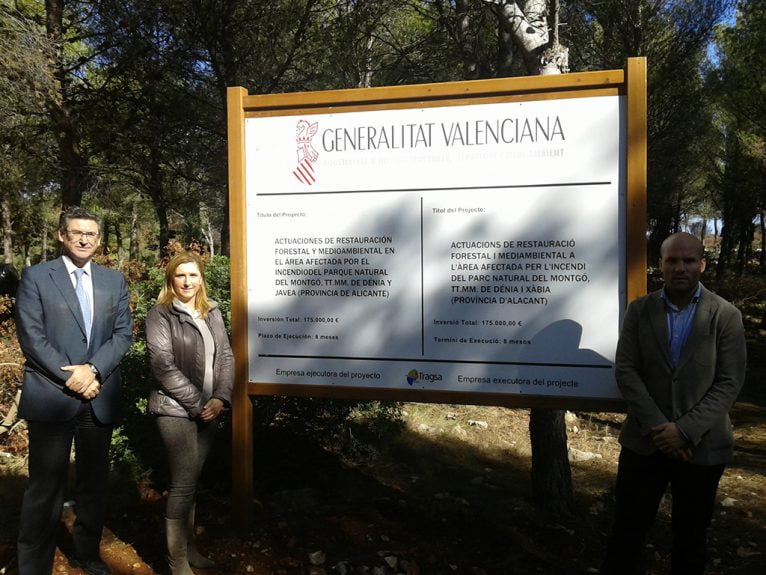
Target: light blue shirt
x=680 y=323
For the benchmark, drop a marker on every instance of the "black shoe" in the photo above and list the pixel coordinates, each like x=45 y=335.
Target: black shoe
x=91 y=566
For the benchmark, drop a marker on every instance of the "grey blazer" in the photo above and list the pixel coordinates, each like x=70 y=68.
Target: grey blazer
x=51 y=334
x=698 y=393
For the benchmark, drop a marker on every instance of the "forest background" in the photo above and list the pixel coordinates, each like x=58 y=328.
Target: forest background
x=121 y=107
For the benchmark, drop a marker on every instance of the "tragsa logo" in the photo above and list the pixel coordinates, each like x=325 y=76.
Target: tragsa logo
x=414 y=375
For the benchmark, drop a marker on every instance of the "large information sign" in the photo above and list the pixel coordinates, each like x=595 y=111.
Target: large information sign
x=473 y=248
x=472 y=242
x=469 y=242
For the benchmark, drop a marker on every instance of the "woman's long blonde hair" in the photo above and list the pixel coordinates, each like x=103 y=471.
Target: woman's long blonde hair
x=168 y=294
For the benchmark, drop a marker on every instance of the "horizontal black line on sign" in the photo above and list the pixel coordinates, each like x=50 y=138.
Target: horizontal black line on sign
x=421 y=360
x=439 y=189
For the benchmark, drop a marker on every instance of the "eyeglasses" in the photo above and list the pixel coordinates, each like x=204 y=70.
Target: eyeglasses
x=78 y=235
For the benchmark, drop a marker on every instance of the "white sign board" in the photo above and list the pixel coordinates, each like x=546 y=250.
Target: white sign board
x=473 y=248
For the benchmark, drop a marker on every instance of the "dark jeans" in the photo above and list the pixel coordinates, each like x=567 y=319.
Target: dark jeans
x=50 y=444
x=641 y=483
x=187 y=444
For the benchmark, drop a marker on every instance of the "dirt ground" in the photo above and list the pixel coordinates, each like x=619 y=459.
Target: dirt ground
x=449 y=495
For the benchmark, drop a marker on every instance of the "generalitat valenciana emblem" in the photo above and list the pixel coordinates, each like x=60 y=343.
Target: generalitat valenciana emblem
x=307 y=155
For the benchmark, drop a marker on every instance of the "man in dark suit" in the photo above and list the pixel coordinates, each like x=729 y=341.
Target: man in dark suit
x=74 y=327
x=680 y=366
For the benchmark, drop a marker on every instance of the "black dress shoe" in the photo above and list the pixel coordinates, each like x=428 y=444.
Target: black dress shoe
x=91 y=566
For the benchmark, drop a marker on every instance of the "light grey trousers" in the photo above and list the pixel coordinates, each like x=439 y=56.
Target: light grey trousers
x=187 y=444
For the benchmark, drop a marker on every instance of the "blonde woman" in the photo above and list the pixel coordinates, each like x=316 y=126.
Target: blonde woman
x=193 y=367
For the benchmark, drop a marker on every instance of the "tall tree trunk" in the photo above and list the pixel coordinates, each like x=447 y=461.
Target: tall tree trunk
x=551 y=474
x=73 y=166
x=162 y=217
x=739 y=264
x=106 y=225
x=133 y=248
x=7 y=223
x=207 y=228
x=155 y=187
x=466 y=40
x=118 y=240
x=762 y=260
x=44 y=241
x=504 y=52
x=225 y=234
x=365 y=77
x=723 y=254
x=528 y=24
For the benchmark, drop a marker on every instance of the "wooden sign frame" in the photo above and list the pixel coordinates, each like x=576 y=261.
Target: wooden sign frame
x=630 y=83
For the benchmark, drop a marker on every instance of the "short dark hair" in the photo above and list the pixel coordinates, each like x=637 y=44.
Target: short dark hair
x=76 y=213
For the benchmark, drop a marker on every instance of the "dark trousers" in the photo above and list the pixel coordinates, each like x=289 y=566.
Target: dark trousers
x=187 y=444
x=641 y=483
x=50 y=444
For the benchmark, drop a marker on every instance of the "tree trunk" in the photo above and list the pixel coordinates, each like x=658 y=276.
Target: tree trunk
x=207 y=228
x=723 y=254
x=526 y=21
x=466 y=40
x=741 y=253
x=44 y=241
x=105 y=237
x=7 y=223
x=762 y=260
x=118 y=240
x=365 y=76
x=225 y=236
x=551 y=474
x=73 y=166
x=162 y=217
x=133 y=248
x=504 y=52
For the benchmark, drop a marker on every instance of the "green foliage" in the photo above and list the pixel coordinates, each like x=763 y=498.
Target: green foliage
x=674 y=36
x=218 y=275
x=738 y=85
x=146 y=119
x=135 y=442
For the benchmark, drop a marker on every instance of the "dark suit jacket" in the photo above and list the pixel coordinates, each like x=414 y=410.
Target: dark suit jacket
x=51 y=333
x=698 y=393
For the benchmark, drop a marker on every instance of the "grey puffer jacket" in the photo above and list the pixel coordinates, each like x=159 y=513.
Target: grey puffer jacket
x=177 y=359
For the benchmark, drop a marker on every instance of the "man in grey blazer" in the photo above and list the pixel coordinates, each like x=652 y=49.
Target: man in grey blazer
x=74 y=327
x=680 y=366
